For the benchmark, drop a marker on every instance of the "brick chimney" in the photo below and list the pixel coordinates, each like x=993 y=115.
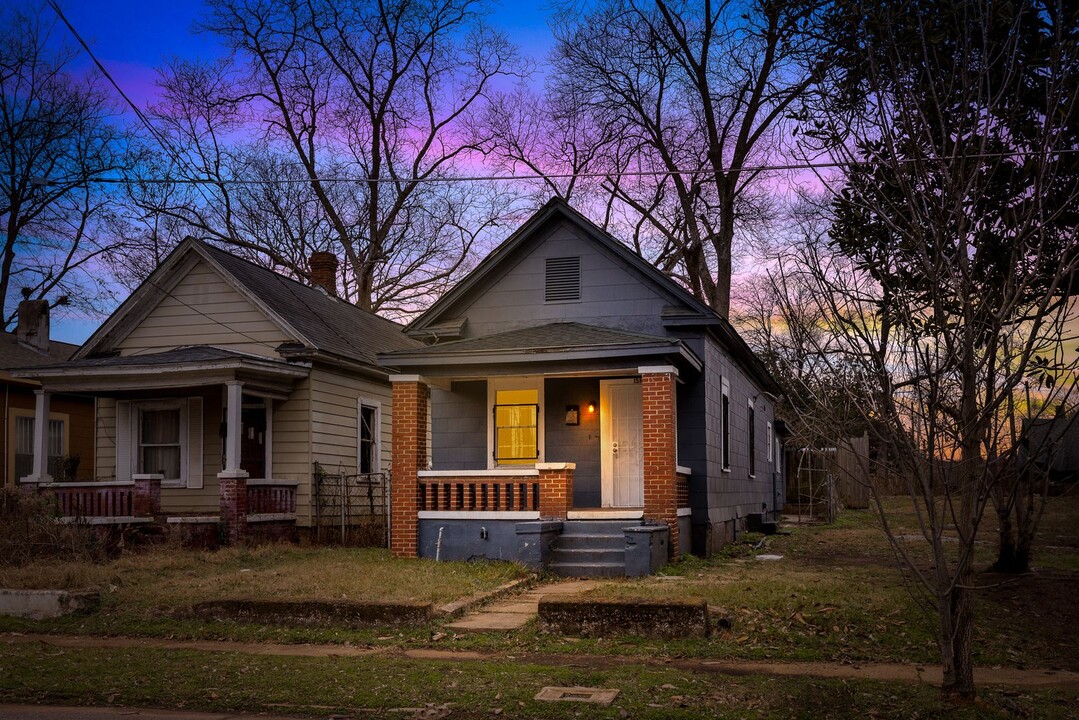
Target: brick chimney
x=33 y=327
x=324 y=271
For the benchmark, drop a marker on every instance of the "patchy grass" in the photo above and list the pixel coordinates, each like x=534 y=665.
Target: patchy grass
x=388 y=685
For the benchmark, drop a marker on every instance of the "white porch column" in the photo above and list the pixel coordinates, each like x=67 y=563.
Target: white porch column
x=41 y=439
x=233 y=429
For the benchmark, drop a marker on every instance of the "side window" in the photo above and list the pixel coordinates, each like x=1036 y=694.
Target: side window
x=725 y=421
x=516 y=427
x=752 y=430
x=368 y=461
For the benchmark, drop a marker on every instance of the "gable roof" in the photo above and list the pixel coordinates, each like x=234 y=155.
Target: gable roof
x=557 y=209
x=686 y=311
x=317 y=322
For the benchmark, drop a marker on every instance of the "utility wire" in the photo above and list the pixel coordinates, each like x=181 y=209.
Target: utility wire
x=545 y=176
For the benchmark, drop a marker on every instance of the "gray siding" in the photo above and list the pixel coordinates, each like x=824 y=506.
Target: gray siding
x=574 y=443
x=728 y=496
x=612 y=295
x=459 y=426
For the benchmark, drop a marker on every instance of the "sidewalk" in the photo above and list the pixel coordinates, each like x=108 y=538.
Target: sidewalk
x=888 y=672
x=517 y=611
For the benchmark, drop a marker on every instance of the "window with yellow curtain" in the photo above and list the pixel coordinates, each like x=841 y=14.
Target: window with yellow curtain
x=516 y=440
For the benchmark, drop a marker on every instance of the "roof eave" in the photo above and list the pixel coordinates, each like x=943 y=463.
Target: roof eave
x=524 y=357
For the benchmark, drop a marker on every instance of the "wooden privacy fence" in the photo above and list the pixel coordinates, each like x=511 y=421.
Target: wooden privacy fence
x=351 y=508
x=823 y=480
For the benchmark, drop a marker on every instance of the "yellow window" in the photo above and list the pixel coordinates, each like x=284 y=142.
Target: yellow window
x=516 y=427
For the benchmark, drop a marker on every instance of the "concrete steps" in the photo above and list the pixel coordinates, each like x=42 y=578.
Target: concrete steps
x=591 y=548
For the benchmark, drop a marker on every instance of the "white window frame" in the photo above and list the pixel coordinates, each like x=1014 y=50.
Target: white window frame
x=517 y=382
x=725 y=426
x=769 y=437
x=137 y=406
x=751 y=438
x=376 y=405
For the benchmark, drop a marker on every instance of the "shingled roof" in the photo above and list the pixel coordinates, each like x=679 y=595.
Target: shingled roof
x=14 y=354
x=551 y=337
x=331 y=325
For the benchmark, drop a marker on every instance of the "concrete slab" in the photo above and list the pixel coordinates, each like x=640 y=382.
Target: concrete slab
x=42 y=604
x=491 y=621
x=530 y=608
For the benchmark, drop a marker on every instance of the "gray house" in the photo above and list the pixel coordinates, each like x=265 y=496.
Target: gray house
x=575 y=408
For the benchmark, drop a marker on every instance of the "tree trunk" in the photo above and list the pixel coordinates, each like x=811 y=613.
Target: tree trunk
x=956 y=610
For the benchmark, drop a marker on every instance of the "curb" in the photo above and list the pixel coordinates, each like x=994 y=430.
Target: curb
x=459 y=607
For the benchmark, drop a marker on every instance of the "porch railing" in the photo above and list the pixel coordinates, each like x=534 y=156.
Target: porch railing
x=139 y=497
x=471 y=494
x=271 y=497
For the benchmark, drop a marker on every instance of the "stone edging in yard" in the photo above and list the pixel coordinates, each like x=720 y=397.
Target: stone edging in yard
x=41 y=604
x=332 y=613
x=604 y=618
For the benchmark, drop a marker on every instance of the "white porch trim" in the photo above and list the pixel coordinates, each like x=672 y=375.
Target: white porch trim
x=498 y=472
x=605 y=514
x=479 y=515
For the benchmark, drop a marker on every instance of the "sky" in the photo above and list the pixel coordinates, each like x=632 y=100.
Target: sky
x=133 y=37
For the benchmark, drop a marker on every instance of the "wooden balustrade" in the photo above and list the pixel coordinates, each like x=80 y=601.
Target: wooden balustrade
x=479 y=494
x=93 y=499
x=266 y=497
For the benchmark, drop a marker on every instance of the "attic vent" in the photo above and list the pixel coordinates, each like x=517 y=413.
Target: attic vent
x=563 y=279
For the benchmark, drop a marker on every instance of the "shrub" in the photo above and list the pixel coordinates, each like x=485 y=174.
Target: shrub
x=29 y=531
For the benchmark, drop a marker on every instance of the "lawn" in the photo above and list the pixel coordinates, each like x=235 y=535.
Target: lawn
x=389 y=686
x=839 y=594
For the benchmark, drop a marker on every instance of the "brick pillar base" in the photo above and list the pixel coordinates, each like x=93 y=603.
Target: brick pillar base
x=410 y=397
x=555 y=489
x=234 y=506
x=660 y=450
x=147 y=500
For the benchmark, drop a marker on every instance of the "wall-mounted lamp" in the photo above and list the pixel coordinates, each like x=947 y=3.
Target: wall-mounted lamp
x=592 y=408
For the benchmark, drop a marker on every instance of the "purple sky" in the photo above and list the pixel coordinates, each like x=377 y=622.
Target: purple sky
x=132 y=37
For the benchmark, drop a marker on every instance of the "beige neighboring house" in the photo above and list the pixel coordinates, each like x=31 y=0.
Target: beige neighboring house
x=216 y=369
x=70 y=433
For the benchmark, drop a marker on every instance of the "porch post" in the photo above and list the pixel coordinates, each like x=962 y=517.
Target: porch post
x=232 y=481
x=41 y=439
x=660 y=447
x=410 y=396
x=233 y=414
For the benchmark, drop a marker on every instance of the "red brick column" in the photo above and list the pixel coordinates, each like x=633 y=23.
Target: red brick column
x=234 y=506
x=660 y=448
x=555 y=489
x=410 y=396
x=147 y=500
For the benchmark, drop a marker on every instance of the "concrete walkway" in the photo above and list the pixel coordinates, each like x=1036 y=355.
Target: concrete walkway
x=516 y=611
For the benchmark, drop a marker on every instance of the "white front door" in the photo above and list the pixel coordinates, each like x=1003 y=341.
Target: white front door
x=621 y=443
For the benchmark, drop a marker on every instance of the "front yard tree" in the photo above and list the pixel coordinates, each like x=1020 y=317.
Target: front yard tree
x=333 y=127
x=946 y=273
x=693 y=96
x=57 y=136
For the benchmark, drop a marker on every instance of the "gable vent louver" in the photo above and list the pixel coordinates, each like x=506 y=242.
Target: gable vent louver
x=563 y=280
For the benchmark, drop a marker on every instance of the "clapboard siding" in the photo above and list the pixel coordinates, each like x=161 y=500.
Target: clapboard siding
x=612 y=295
x=202 y=309
x=459 y=421
x=334 y=419
x=291 y=453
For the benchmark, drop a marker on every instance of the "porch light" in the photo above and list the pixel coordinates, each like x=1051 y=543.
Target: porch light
x=592 y=408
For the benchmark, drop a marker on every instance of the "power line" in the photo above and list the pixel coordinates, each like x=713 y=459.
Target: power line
x=546 y=176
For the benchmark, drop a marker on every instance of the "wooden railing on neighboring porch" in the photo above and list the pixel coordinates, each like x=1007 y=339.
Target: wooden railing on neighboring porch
x=115 y=501
x=681 y=490
x=470 y=494
x=271 y=497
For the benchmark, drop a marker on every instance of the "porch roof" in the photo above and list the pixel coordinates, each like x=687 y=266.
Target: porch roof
x=552 y=342
x=180 y=367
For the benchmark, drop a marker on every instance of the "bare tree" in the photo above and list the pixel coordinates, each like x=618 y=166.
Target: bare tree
x=334 y=127
x=945 y=275
x=57 y=137
x=691 y=96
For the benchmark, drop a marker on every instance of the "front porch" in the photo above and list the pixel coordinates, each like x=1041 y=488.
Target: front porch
x=575 y=472
x=184 y=438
